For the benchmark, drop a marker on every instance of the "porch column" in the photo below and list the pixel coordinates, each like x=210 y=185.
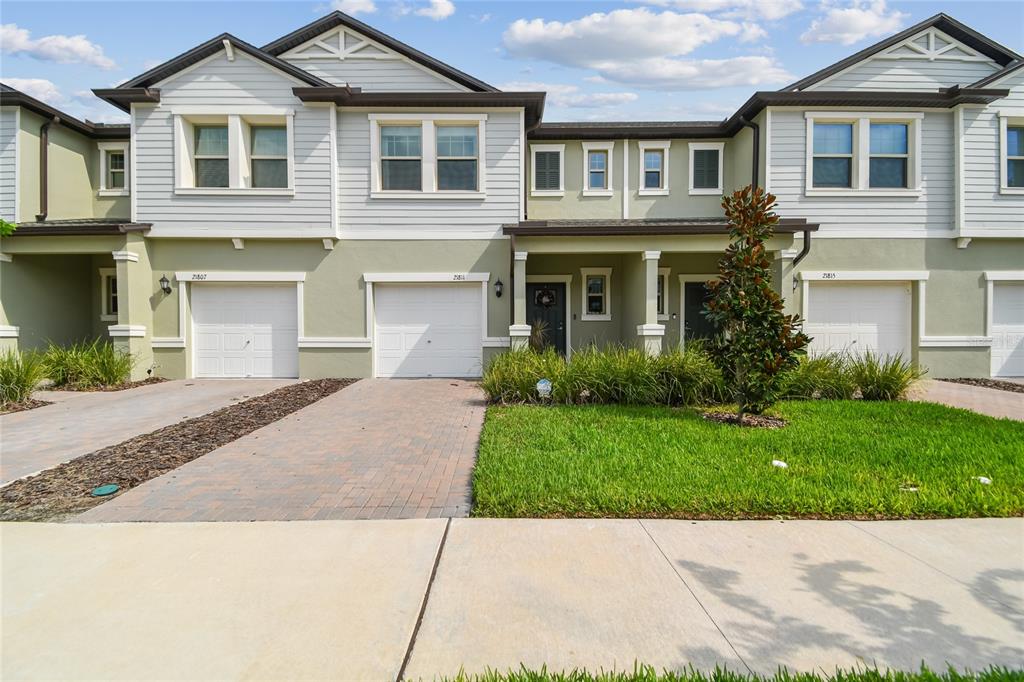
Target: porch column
x=651 y=332
x=133 y=330
x=519 y=331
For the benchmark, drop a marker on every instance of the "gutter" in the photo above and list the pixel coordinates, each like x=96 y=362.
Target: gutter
x=44 y=163
x=755 y=165
x=806 y=249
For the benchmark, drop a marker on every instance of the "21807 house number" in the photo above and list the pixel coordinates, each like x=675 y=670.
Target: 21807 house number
x=198 y=275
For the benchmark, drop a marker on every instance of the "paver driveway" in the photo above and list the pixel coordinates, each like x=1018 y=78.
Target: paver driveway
x=381 y=448
x=990 y=401
x=80 y=423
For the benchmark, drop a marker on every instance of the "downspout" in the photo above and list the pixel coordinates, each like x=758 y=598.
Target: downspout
x=44 y=157
x=755 y=166
x=806 y=249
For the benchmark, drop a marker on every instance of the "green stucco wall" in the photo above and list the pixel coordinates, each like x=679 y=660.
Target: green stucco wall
x=50 y=298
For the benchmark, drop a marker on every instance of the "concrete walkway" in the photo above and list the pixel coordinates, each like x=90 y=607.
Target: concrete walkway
x=340 y=599
x=991 y=401
x=381 y=448
x=80 y=423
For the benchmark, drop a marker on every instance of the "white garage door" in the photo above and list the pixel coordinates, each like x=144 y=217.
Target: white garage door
x=855 y=318
x=1008 y=329
x=428 y=330
x=245 y=330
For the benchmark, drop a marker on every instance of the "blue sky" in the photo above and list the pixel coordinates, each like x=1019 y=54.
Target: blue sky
x=633 y=60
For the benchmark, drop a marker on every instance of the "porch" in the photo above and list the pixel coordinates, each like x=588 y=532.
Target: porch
x=623 y=282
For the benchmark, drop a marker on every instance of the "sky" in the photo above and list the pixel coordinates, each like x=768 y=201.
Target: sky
x=598 y=61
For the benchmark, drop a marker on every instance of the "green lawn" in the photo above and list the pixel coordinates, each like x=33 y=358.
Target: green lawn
x=649 y=674
x=847 y=459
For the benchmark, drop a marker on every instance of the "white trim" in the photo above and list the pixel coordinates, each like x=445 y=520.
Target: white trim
x=522 y=166
x=650 y=255
x=6 y=258
x=434 y=194
x=129 y=256
x=963 y=242
x=225 y=110
x=236 y=191
x=229 y=51
x=602 y=146
x=684 y=279
x=954 y=341
x=127 y=330
x=554 y=279
x=519 y=330
x=328 y=244
x=105 y=274
x=991 y=278
x=238 y=243
x=1004 y=275
x=534 y=148
x=663 y=277
x=768 y=149
x=497 y=342
x=607 y=314
x=1004 y=187
x=703 y=146
x=122 y=147
x=8 y=331
x=414 y=277
x=864 y=275
x=664 y=146
x=417 y=116
x=17 y=166
x=168 y=342
x=650 y=330
x=959 y=193
x=625 y=179
x=333 y=139
x=133 y=194
x=521 y=255
x=335 y=342
x=241 y=276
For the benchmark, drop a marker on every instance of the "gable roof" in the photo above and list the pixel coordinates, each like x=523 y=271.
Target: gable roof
x=954 y=29
x=335 y=19
x=102 y=131
x=121 y=96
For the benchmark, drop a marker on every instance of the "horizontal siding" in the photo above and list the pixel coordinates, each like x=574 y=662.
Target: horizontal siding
x=376 y=75
x=909 y=74
x=8 y=162
x=364 y=217
x=985 y=207
x=931 y=212
x=242 y=82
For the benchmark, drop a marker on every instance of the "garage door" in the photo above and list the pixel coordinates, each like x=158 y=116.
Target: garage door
x=855 y=318
x=245 y=330
x=427 y=330
x=1008 y=329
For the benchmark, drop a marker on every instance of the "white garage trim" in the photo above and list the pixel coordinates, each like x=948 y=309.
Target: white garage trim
x=127 y=330
x=918 y=276
x=413 y=277
x=835 y=313
x=239 y=276
x=991 y=277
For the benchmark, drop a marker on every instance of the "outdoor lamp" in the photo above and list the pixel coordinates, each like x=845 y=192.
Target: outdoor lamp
x=165 y=284
x=498 y=288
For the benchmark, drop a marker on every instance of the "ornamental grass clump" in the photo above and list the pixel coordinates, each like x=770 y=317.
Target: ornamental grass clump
x=20 y=373
x=828 y=377
x=87 y=365
x=884 y=377
x=690 y=377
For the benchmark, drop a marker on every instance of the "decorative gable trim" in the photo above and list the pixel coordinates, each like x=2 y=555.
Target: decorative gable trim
x=932 y=45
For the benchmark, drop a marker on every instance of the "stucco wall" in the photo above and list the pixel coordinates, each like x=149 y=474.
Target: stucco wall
x=50 y=298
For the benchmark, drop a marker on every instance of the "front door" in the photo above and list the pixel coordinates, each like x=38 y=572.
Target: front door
x=545 y=313
x=695 y=325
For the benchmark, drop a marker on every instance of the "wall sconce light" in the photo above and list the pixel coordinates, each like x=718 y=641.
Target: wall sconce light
x=498 y=288
x=165 y=285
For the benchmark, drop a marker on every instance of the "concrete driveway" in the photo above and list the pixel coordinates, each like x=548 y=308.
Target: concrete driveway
x=991 y=401
x=80 y=423
x=340 y=599
x=380 y=448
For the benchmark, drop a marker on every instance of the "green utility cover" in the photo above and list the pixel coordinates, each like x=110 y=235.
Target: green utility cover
x=104 y=490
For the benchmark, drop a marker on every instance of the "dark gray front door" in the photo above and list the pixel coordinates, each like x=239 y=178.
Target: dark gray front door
x=545 y=308
x=695 y=325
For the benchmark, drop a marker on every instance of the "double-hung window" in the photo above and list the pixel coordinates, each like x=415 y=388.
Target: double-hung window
x=433 y=156
x=597 y=168
x=113 y=168
x=653 y=167
x=269 y=157
x=833 y=155
x=548 y=169
x=108 y=294
x=1012 y=155
x=863 y=153
x=706 y=169
x=597 y=294
x=211 y=156
x=890 y=155
x=457 y=158
x=401 y=157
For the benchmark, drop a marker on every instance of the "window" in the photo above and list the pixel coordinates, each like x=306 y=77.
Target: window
x=269 y=156
x=108 y=294
x=401 y=158
x=1012 y=134
x=597 y=168
x=113 y=174
x=889 y=155
x=548 y=169
x=456 y=158
x=211 y=157
x=596 y=293
x=833 y=155
x=863 y=153
x=706 y=167
x=653 y=178
x=663 y=274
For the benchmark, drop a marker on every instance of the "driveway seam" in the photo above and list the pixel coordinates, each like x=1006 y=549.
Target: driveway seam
x=695 y=597
x=934 y=568
x=423 y=604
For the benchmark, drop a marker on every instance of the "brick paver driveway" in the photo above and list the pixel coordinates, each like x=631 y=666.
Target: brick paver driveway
x=991 y=401
x=377 y=449
x=80 y=423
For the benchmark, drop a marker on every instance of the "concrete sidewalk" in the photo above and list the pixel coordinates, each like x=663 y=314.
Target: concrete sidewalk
x=991 y=401
x=341 y=599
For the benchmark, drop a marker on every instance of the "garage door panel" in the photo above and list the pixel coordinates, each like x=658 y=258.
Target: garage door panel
x=1008 y=329
x=855 y=318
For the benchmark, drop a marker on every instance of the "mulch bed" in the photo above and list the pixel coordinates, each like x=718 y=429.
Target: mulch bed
x=116 y=387
x=29 y=404
x=66 y=489
x=759 y=421
x=989 y=383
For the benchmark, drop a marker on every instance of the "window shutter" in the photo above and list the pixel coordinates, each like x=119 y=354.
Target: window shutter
x=546 y=171
x=705 y=168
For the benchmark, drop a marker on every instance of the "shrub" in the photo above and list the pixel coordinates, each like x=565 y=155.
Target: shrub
x=20 y=373
x=826 y=376
x=87 y=365
x=690 y=376
x=883 y=377
x=512 y=377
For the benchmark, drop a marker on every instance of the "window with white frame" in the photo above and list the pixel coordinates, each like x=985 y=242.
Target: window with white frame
x=548 y=169
x=706 y=167
x=653 y=168
x=428 y=155
x=108 y=294
x=663 y=274
x=1012 y=155
x=247 y=152
x=597 y=168
x=113 y=168
x=866 y=153
x=596 y=293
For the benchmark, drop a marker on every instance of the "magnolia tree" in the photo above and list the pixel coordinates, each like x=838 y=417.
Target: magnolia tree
x=756 y=340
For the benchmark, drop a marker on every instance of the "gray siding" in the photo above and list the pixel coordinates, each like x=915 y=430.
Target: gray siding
x=985 y=208
x=911 y=74
x=929 y=213
x=8 y=162
x=376 y=75
x=366 y=218
x=221 y=83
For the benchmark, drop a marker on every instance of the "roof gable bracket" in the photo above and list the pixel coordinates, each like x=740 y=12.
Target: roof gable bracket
x=341 y=44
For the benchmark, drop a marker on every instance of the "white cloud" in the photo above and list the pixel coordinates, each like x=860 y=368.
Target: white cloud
x=752 y=33
x=661 y=73
x=354 y=6
x=570 y=96
x=40 y=88
x=437 y=10
x=54 y=48
x=769 y=10
x=848 y=25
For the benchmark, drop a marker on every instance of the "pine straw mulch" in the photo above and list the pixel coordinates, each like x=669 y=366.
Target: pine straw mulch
x=66 y=489
x=29 y=404
x=758 y=421
x=989 y=383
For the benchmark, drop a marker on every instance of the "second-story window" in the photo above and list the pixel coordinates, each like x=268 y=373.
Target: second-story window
x=211 y=156
x=548 y=167
x=1015 y=156
x=457 y=157
x=113 y=163
x=115 y=169
x=597 y=165
x=706 y=171
x=889 y=155
x=401 y=157
x=654 y=168
x=863 y=153
x=833 y=155
x=269 y=156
